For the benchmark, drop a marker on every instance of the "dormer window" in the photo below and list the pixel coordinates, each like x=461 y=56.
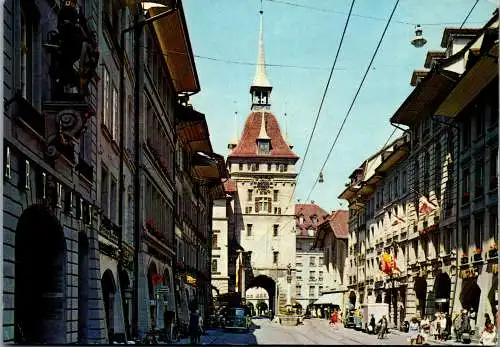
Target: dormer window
x=264 y=146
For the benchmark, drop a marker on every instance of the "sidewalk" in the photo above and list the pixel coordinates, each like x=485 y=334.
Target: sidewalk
x=450 y=342
x=209 y=337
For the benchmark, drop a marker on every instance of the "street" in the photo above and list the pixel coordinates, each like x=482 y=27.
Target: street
x=314 y=331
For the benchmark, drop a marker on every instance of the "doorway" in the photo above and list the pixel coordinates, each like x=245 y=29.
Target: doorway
x=40 y=283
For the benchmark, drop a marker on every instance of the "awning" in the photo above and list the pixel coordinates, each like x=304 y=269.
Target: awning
x=176 y=47
x=330 y=299
x=426 y=97
x=471 y=84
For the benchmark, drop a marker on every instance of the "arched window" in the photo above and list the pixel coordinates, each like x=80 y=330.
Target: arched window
x=214 y=265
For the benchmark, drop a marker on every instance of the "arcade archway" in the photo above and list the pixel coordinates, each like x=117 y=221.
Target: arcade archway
x=471 y=293
x=40 y=283
x=269 y=285
x=420 y=287
x=442 y=290
x=153 y=279
x=108 y=286
x=126 y=292
x=352 y=299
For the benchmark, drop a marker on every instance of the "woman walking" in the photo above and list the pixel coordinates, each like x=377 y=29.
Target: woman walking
x=413 y=330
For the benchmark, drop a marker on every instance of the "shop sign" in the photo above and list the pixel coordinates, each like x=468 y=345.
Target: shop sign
x=468 y=273
x=190 y=280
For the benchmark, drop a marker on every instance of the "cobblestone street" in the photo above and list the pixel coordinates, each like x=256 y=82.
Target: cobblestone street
x=314 y=331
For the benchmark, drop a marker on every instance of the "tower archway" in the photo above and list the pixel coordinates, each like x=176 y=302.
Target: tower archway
x=269 y=285
x=471 y=293
x=40 y=283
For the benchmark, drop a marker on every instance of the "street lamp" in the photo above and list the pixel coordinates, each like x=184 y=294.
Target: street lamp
x=418 y=40
x=320 y=178
x=137 y=28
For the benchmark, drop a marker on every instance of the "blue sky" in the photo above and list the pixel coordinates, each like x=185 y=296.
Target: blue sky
x=224 y=35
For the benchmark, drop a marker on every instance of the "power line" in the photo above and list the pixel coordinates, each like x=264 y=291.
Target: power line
x=468 y=14
x=324 y=10
x=356 y=95
x=322 y=99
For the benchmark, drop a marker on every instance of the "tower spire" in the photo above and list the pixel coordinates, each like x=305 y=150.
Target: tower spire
x=261 y=87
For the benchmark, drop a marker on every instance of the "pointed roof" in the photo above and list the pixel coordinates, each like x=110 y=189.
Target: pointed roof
x=260 y=79
x=263 y=133
x=247 y=147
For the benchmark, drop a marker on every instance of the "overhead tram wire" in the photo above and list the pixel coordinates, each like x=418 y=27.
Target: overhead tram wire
x=325 y=91
x=468 y=14
x=356 y=95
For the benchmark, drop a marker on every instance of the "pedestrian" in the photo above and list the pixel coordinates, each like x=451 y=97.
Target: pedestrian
x=413 y=330
x=487 y=319
x=194 y=327
x=442 y=327
x=371 y=325
x=383 y=327
x=487 y=336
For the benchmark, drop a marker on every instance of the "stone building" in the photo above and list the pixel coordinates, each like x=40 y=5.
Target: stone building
x=51 y=283
x=379 y=210
x=332 y=240
x=472 y=106
x=309 y=265
x=220 y=238
x=262 y=166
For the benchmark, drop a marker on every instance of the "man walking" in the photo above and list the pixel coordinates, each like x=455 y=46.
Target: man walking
x=194 y=327
x=383 y=327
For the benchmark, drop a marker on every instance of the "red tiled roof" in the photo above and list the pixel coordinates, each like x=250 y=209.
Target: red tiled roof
x=248 y=143
x=307 y=211
x=230 y=186
x=339 y=224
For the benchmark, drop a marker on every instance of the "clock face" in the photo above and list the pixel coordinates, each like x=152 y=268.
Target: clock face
x=263 y=184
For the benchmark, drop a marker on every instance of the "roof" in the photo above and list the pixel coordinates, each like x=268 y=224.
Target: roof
x=449 y=32
x=308 y=210
x=230 y=186
x=339 y=222
x=247 y=146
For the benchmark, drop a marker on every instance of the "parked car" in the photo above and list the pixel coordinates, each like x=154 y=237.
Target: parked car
x=237 y=318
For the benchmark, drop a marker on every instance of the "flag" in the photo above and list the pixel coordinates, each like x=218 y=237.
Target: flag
x=395 y=267
x=426 y=207
x=398 y=220
x=388 y=264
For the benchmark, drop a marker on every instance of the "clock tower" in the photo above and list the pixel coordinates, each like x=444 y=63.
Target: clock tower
x=262 y=166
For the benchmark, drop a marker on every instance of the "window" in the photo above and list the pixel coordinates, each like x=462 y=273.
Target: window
x=263 y=205
x=255 y=167
x=312 y=261
x=320 y=261
x=277 y=210
x=106 y=97
x=494 y=169
x=269 y=167
x=478 y=231
x=249 y=229
x=298 y=290
x=113 y=201
x=466 y=140
x=275 y=257
x=248 y=209
x=240 y=167
x=493 y=227
x=396 y=186
x=104 y=192
x=449 y=143
x=214 y=265
x=465 y=238
x=264 y=147
x=320 y=275
x=426 y=128
x=447 y=240
x=437 y=169
x=312 y=275
x=425 y=247
x=249 y=166
x=250 y=195
x=114 y=129
x=214 y=241
x=435 y=243
x=465 y=185
x=28 y=52
x=312 y=291
x=480 y=124
x=492 y=114
x=320 y=290
x=404 y=182
x=275 y=230
x=275 y=195
x=479 y=178
x=416 y=135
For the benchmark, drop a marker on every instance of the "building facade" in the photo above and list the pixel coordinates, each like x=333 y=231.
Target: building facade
x=262 y=165
x=429 y=198
x=51 y=283
x=310 y=269
x=332 y=240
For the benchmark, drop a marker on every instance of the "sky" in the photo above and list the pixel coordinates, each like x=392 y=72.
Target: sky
x=301 y=38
